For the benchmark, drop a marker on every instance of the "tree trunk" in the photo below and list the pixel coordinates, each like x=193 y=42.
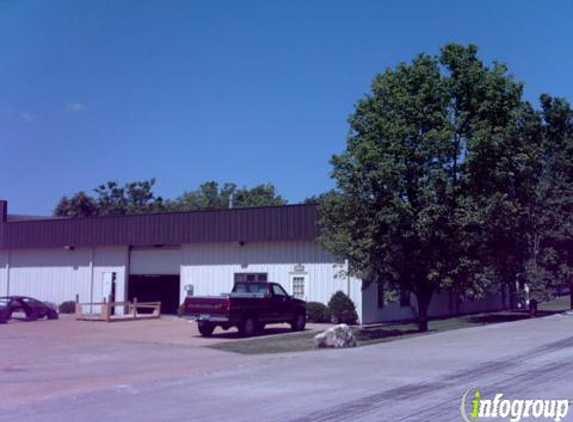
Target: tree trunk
x=423 y=304
x=513 y=300
x=532 y=308
x=571 y=293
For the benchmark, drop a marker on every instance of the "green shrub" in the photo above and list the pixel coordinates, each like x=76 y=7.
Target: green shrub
x=317 y=312
x=67 y=307
x=342 y=309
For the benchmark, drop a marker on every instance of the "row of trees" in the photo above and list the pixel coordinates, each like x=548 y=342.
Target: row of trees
x=452 y=181
x=138 y=197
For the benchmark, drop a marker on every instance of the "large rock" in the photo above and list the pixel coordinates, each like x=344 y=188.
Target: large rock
x=337 y=336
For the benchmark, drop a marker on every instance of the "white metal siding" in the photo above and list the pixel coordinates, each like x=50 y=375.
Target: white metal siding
x=53 y=275
x=210 y=268
x=389 y=312
x=57 y=275
x=3 y=273
x=439 y=306
x=155 y=261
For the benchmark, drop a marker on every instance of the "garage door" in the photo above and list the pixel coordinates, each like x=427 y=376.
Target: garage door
x=155 y=261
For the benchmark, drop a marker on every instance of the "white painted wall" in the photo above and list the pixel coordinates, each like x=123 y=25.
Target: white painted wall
x=210 y=268
x=52 y=275
x=390 y=312
x=57 y=275
x=4 y=272
x=441 y=305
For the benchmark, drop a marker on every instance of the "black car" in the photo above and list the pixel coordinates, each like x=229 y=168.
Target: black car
x=5 y=312
x=32 y=308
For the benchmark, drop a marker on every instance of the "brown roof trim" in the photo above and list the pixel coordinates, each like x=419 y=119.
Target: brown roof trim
x=289 y=222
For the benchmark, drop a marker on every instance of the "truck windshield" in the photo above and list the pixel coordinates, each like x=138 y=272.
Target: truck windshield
x=257 y=288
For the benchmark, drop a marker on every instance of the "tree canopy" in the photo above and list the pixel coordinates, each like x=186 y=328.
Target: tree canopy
x=445 y=164
x=211 y=195
x=138 y=197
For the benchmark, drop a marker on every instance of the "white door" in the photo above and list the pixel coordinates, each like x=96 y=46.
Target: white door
x=107 y=285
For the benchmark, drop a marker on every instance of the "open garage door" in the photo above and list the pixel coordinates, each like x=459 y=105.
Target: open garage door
x=154 y=276
x=156 y=288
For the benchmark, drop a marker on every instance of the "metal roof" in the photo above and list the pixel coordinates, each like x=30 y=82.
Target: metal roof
x=289 y=222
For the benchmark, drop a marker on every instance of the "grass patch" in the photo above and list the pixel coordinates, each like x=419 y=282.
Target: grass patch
x=278 y=343
x=298 y=342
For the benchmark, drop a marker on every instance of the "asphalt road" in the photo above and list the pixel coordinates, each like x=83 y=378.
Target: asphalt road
x=419 y=379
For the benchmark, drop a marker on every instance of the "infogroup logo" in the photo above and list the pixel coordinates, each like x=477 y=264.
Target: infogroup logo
x=474 y=407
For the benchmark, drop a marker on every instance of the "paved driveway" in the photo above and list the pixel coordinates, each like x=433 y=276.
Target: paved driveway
x=418 y=379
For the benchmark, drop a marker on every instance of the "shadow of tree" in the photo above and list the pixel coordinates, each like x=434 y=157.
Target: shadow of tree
x=508 y=317
x=381 y=333
x=234 y=333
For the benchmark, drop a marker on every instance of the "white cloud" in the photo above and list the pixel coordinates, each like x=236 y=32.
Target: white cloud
x=75 y=107
x=27 y=116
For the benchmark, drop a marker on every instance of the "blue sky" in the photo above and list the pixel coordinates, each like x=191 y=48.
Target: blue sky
x=248 y=91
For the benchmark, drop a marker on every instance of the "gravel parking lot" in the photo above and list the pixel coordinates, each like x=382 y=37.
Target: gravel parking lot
x=48 y=359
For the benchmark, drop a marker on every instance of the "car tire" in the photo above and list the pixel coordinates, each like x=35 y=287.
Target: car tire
x=299 y=322
x=248 y=327
x=32 y=316
x=205 y=329
x=52 y=315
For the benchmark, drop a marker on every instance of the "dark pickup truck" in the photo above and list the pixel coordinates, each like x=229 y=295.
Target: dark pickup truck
x=248 y=307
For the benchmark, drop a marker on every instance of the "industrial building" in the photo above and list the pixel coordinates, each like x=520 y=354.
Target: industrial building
x=165 y=256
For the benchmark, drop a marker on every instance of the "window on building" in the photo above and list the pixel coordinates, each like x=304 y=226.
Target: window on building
x=404 y=296
x=298 y=285
x=380 y=287
x=254 y=277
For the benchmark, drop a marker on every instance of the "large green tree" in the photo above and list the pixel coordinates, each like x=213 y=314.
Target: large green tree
x=112 y=199
x=211 y=195
x=79 y=204
x=408 y=208
x=546 y=203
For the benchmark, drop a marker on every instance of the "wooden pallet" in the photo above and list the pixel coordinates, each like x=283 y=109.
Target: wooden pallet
x=127 y=311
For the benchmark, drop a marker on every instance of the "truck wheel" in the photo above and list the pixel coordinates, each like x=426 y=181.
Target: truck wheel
x=205 y=328
x=299 y=322
x=248 y=327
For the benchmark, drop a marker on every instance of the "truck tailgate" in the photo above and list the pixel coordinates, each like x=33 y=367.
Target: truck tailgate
x=196 y=306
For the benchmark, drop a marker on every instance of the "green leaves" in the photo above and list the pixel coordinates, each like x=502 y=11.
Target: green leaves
x=138 y=197
x=211 y=196
x=111 y=199
x=446 y=175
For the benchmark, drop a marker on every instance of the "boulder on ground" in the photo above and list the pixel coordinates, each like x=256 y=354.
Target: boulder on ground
x=338 y=336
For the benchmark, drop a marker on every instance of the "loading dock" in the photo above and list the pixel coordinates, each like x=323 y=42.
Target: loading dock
x=154 y=276
x=156 y=288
